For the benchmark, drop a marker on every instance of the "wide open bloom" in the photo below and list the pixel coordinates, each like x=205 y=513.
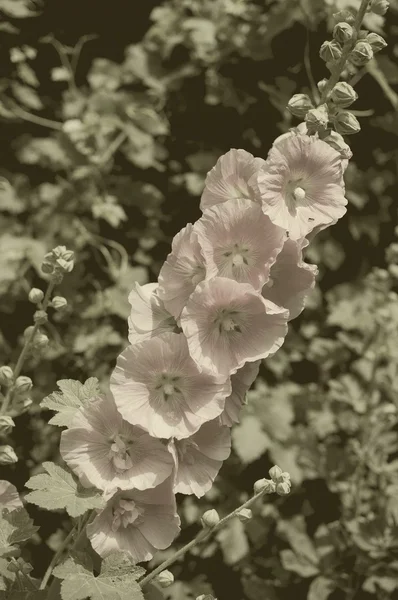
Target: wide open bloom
x=239 y=242
x=228 y=324
x=301 y=185
x=138 y=522
x=199 y=458
x=182 y=271
x=241 y=382
x=9 y=497
x=291 y=278
x=148 y=317
x=229 y=178
x=109 y=453
x=158 y=386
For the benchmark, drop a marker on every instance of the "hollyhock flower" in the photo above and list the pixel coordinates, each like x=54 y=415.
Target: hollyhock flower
x=148 y=317
x=199 y=458
x=9 y=497
x=228 y=323
x=159 y=387
x=301 y=185
x=138 y=522
x=239 y=242
x=229 y=178
x=241 y=382
x=108 y=453
x=182 y=271
x=291 y=278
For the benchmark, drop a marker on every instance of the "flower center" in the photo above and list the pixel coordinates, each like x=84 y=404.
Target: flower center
x=295 y=194
x=126 y=513
x=119 y=453
x=238 y=255
x=198 y=274
x=227 y=321
x=299 y=193
x=168 y=385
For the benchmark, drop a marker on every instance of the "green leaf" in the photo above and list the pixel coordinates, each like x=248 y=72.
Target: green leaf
x=117 y=580
x=233 y=542
x=58 y=489
x=298 y=564
x=320 y=588
x=72 y=396
x=249 y=440
x=15 y=527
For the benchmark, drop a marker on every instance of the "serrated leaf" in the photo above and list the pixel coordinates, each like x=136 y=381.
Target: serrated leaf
x=59 y=489
x=72 y=396
x=15 y=527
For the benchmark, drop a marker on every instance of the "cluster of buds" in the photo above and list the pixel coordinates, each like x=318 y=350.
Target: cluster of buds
x=281 y=479
x=57 y=262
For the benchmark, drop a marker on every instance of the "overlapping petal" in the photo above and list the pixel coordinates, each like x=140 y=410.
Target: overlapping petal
x=240 y=382
x=148 y=317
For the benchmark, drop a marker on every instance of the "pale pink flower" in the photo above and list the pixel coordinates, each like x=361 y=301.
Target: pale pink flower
x=301 y=185
x=109 y=453
x=182 y=271
x=229 y=178
x=291 y=279
x=199 y=458
x=9 y=497
x=138 y=522
x=239 y=242
x=158 y=386
x=241 y=382
x=228 y=324
x=148 y=317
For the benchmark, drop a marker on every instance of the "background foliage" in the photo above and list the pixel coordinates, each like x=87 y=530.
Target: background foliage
x=111 y=114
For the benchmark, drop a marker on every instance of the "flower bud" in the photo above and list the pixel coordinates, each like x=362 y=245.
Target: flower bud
x=343 y=94
x=165 y=578
x=7 y=455
x=393 y=270
x=361 y=54
x=376 y=41
x=330 y=51
x=379 y=7
x=344 y=15
x=299 y=105
x=282 y=488
x=392 y=253
x=317 y=119
x=264 y=485
x=244 y=515
x=6 y=425
x=210 y=518
x=276 y=474
x=6 y=376
x=36 y=295
x=59 y=302
x=23 y=384
x=346 y=123
x=20 y=405
x=41 y=340
x=336 y=141
x=40 y=317
x=342 y=32
x=66 y=266
x=28 y=332
x=322 y=84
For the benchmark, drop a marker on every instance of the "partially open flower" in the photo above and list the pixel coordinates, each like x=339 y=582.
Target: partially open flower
x=199 y=458
x=108 y=453
x=158 y=386
x=9 y=497
x=148 y=317
x=241 y=382
x=228 y=324
x=137 y=522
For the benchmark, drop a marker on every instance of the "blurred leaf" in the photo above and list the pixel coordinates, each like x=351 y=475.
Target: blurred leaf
x=320 y=588
x=249 y=440
x=233 y=542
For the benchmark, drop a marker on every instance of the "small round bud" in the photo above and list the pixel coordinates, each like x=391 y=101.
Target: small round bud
x=165 y=578
x=282 y=488
x=343 y=94
x=276 y=474
x=6 y=376
x=299 y=105
x=393 y=270
x=41 y=340
x=317 y=119
x=376 y=41
x=361 y=54
x=392 y=253
x=36 y=295
x=380 y=7
x=346 y=123
x=330 y=51
x=40 y=317
x=72 y=126
x=336 y=141
x=264 y=485
x=20 y=405
x=7 y=455
x=23 y=384
x=6 y=425
x=47 y=267
x=244 y=515
x=322 y=84
x=28 y=332
x=210 y=518
x=342 y=32
x=59 y=302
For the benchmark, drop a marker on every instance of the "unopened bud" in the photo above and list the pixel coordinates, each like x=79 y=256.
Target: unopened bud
x=244 y=515
x=66 y=266
x=344 y=15
x=283 y=488
x=7 y=455
x=317 y=119
x=40 y=317
x=376 y=41
x=6 y=425
x=393 y=270
x=299 y=105
x=343 y=94
x=23 y=384
x=330 y=51
x=342 y=32
x=41 y=340
x=72 y=126
x=59 y=302
x=336 y=141
x=322 y=84
x=36 y=295
x=210 y=518
x=361 y=54
x=276 y=474
x=28 y=332
x=346 y=123
x=264 y=485
x=392 y=253
x=20 y=405
x=6 y=376
x=165 y=578
x=379 y=7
